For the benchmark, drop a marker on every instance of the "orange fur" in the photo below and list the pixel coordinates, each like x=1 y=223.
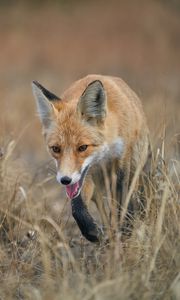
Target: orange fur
x=124 y=119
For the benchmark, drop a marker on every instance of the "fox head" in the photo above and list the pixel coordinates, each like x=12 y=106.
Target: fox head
x=74 y=131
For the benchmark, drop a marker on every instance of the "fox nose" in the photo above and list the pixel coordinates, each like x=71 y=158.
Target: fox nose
x=66 y=180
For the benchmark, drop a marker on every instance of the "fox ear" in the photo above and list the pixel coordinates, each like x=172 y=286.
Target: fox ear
x=44 y=101
x=92 y=103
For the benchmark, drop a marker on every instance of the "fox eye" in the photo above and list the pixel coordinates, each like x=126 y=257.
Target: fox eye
x=56 y=149
x=82 y=148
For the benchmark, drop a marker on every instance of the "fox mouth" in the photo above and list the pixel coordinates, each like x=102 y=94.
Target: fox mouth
x=73 y=190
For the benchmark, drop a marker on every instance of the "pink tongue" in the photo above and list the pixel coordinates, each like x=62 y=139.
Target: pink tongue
x=72 y=189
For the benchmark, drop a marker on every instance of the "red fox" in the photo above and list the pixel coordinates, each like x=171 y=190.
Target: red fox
x=98 y=120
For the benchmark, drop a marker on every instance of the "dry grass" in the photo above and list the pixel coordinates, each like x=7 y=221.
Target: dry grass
x=43 y=257
x=42 y=254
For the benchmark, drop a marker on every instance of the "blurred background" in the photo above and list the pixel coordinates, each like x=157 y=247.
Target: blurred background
x=42 y=254
x=57 y=42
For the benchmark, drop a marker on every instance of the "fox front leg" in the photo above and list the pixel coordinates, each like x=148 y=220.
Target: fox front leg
x=87 y=225
x=123 y=183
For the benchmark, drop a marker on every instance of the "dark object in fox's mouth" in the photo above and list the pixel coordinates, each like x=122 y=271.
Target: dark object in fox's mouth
x=86 y=223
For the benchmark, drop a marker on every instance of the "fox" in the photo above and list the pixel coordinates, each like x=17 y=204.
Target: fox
x=97 y=125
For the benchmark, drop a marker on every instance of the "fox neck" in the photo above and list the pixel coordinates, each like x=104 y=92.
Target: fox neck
x=105 y=153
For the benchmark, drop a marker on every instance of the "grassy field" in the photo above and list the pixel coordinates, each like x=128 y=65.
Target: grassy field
x=43 y=256
x=42 y=253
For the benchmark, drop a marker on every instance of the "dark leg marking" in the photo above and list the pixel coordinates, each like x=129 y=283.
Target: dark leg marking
x=127 y=224
x=84 y=220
